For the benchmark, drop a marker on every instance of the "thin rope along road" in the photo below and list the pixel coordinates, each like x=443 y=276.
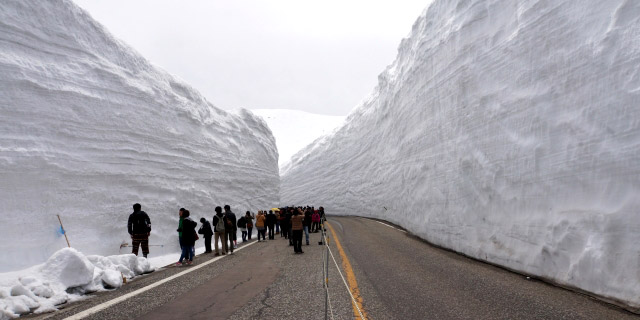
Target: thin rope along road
x=129 y=295
x=352 y=286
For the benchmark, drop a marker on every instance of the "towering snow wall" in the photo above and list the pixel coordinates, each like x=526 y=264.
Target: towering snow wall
x=88 y=127
x=505 y=130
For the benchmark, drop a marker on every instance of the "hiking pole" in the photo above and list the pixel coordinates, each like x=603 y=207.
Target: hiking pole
x=63 y=232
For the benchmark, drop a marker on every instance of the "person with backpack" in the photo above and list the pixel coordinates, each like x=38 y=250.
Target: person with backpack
x=230 y=228
x=139 y=227
x=219 y=221
x=207 y=233
x=189 y=238
x=271 y=223
x=242 y=224
x=249 y=219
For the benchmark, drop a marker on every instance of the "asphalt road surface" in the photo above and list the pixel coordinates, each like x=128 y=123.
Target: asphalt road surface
x=401 y=277
x=379 y=271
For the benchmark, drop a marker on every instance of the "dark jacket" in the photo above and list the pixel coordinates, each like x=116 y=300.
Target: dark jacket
x=307 y=219
x=231 y=222
x=215 y=220
x=242 y=222
x=139 y=223
x=205 y=229
x=271 y=219
x=188 y=232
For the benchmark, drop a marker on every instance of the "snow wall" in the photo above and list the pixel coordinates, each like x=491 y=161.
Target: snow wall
x=508 y=131
x=89 y=127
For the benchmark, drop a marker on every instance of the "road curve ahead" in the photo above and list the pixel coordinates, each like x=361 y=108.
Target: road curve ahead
x=397 y=276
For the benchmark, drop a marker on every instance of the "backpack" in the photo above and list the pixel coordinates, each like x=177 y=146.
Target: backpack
x=140 y=223
x=220 y=224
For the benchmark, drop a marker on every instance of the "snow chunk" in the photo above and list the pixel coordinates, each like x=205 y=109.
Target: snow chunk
x=68 y=268
x=112 y=278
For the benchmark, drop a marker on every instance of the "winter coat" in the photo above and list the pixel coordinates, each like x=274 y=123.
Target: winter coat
x=215 y=221
x=307 y=219
x=260 y=221
x=296 y=222
x=315 y=217
x=231 y=222
x=242 y=222
x=205 y=229
x=249 y=221
x=180 y=227
x=189 y=232
x=139 y=223
x=271 y=219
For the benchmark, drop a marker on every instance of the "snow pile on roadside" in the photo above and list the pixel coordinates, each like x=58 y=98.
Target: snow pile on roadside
x=295 y=129
x=505 y=130
x=65 y=277
x=89 y=127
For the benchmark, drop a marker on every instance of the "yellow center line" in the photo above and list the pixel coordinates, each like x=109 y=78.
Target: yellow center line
x=351 y=277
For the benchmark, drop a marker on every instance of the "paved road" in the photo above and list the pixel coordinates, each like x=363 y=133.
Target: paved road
x=263 y=280
x=392 y=276
x=401 y=277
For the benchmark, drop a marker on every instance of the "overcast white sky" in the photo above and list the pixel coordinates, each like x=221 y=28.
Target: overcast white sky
x=318 y=56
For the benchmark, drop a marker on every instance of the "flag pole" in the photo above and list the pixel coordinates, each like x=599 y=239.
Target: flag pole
x=63 y=232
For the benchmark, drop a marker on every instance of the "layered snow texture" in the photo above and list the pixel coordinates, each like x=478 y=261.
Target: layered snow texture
x=89 y=127
x=295 y=129
x=505 y=130
x=65 y=277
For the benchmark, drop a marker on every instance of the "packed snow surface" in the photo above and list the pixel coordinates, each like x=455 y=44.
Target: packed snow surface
x=505 y=130
x=89 y=127
x=65 y=277
x=295 y=129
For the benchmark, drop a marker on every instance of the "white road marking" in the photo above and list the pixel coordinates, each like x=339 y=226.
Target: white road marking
x=390 y=226
x=112 y=302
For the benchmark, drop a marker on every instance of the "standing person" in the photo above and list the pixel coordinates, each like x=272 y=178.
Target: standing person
x=188 y=238
x=242 y=224
x=219 y=222
x=281 y=222
x=180 y=227
x=277 y=214
x=271 y=223
x=207 y=233
x=139 y=227
x=287 y=218
x=296 y=228
x=249 y=219
x=315 y=218
x=307 y=223
x=260 y=222
x=231 y=227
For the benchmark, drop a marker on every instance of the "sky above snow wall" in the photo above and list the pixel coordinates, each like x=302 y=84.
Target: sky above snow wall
x=89 y=127
x=507 y=131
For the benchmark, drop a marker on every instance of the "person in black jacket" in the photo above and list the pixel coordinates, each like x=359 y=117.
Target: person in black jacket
x=219 y=222
x=207 y=233
x=271 y=224
x=188 y=238
x=307 y=223
x=230 y=228
x=242 y=224
x=139 y=227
